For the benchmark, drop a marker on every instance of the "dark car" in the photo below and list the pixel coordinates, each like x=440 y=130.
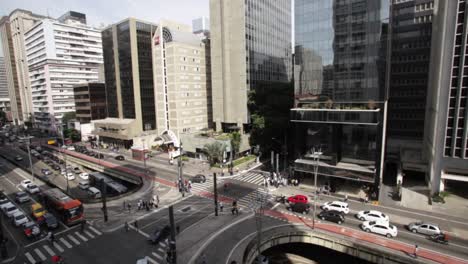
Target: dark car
x=199 y=178
x=333 y=216
x=299 y=208
x=56 y=167
x=49 y=221
x=120 y=157
x=159 y=235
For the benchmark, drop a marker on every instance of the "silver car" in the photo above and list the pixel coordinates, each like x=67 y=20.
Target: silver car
x=424 y=228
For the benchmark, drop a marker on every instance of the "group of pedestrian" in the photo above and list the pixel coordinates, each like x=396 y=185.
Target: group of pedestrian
x=275 y=180
x=147 y=204
x=185 y=186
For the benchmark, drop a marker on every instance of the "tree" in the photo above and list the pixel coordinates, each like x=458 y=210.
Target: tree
x=67 y=117
x=72 y=134
x=3 y=117
x=214 y=152
x=236 y=140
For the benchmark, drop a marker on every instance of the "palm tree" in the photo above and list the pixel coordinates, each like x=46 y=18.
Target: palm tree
x=214 y=152
x=236 y=140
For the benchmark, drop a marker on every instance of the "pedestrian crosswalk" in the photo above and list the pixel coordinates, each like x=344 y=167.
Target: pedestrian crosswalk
x=207 y=186
x=45 y=250
x=254 y=177
x=158 y=256
x=255 y=199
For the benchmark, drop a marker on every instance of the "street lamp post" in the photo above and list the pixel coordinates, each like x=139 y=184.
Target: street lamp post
x=28 y=144
x=144 y=156
x=181 y=181
x=316 y=156
x=64 y=155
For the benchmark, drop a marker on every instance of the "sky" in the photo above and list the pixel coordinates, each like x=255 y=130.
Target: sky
x=106 y=12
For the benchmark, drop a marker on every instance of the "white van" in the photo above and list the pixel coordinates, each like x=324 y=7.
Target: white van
x=94 y=192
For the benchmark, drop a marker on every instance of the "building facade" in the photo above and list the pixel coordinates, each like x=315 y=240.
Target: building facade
x=446 y=137
x=128 y=66
x=90 y=101
x=12 y=30
x=250 y=48
x=60 y=54
x=182 y=84
x=4 y=97
x=340 y=100
x=409 y=73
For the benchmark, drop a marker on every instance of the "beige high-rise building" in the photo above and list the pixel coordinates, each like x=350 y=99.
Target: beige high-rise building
x=12 y=30
x=181 y=66
x=250 y=48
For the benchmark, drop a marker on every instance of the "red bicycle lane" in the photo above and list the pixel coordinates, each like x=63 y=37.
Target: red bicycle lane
x=374 y=239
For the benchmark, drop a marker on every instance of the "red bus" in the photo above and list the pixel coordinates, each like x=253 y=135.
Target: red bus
x=68 y=210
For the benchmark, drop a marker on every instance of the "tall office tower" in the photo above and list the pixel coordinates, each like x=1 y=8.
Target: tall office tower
x=12 y=30
x=341 y=47
x=4 y=97
x=446 y=130
x=250 y=49
x=90 y=101
x=201 y=25
x=180 y=69
x=409 y=73
x=128 y=67
x=60 y=54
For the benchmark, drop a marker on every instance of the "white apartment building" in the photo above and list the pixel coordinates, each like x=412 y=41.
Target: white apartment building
x=60 y=54
x=181 y=79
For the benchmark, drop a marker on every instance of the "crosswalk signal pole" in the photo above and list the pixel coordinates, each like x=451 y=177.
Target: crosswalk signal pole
x=172 y=256
x=215 y=191
x=104 y=199
x=3 y=241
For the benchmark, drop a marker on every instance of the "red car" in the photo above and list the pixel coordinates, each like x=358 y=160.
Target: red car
x=298 y=199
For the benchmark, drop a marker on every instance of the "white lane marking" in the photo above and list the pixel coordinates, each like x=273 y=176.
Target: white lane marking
x=82 y=237
x=151 y=260
x=73 y=239
x=89 y=234
x=57 y=246
x=65 y=242
x=157 y=256
x=49 y=250
x=161 y=250
x=30 y=258
x=39 y=253
x=162 y=244
x=95 y=230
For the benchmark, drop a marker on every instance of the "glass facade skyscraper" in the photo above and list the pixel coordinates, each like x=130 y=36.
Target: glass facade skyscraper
x=340 y=86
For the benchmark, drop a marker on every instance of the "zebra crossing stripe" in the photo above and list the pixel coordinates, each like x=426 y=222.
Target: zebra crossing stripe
x=89 y=234
x=157 y=256
x=161 y=250
x=162 y=244
x=30 y=258
x=49 y=250
x=82 y=237
x=73 y=239
x=65 y=242
x=95 y=231
x=57 y=246
x=39 y=253
x=150 y=260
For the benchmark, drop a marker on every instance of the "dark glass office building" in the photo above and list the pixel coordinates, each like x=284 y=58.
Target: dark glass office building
x=340 y=88
x=90 y=101
x=129 y=71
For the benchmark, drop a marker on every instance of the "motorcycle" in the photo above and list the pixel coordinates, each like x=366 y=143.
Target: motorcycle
x=281 y=199
x=439 y=238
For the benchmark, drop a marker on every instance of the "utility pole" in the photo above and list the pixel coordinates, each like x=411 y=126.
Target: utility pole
x=179 y=163
x=144 y=157
x=272 y=162
x=285 y=152
x=3 y=241
x=28 y=144
x=215 y=191
x=64 y=156
x=277 y=163
x=172 y=242
x=104 y=199
x=316 y=156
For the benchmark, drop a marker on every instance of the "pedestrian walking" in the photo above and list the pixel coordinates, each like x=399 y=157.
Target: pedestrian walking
x=366 y=199
x=52 y=238
x=221 y=206
x=177 y=229
x=135 y=224
x=415 y=251
x=346 y=198
x=126 y=226
x=129 y=206
x=124 y=205
x=83 y=225
x=157 y=199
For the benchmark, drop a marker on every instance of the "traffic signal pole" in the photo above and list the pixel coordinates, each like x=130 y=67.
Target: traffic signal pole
x=215 y=191
x=172 y=253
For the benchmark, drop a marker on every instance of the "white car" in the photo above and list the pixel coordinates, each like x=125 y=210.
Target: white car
x=380 y=228
x=19 y=219
x=69 y=176
x=372 y=216
x=10 y=210
x=84 y=176
x=32 y=189
x=25 y=183
x=5 y=203
x=71 y=148
x=336 y=206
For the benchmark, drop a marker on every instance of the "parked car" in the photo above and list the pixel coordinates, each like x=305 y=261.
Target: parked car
x=84 y=176
x=19 y=219
x=299 y=208
x=120 y=157
x=49 y=221
x=337 y=206
x=22 y=197
x=46 y=171
x=372 y=215
x=424 y=228
x=18 y=158
x=37 y=210
x=71 y=148
x=31 y=229
x=84 y=185
x=9 y=210
x=299 y=198
x=69 y=176
x=4 y=202
x=380 y=228
x=199 y=178
x=159 y=235
x=32 y=189
x=56 y=167
x=25 y=183
x=333 y=216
